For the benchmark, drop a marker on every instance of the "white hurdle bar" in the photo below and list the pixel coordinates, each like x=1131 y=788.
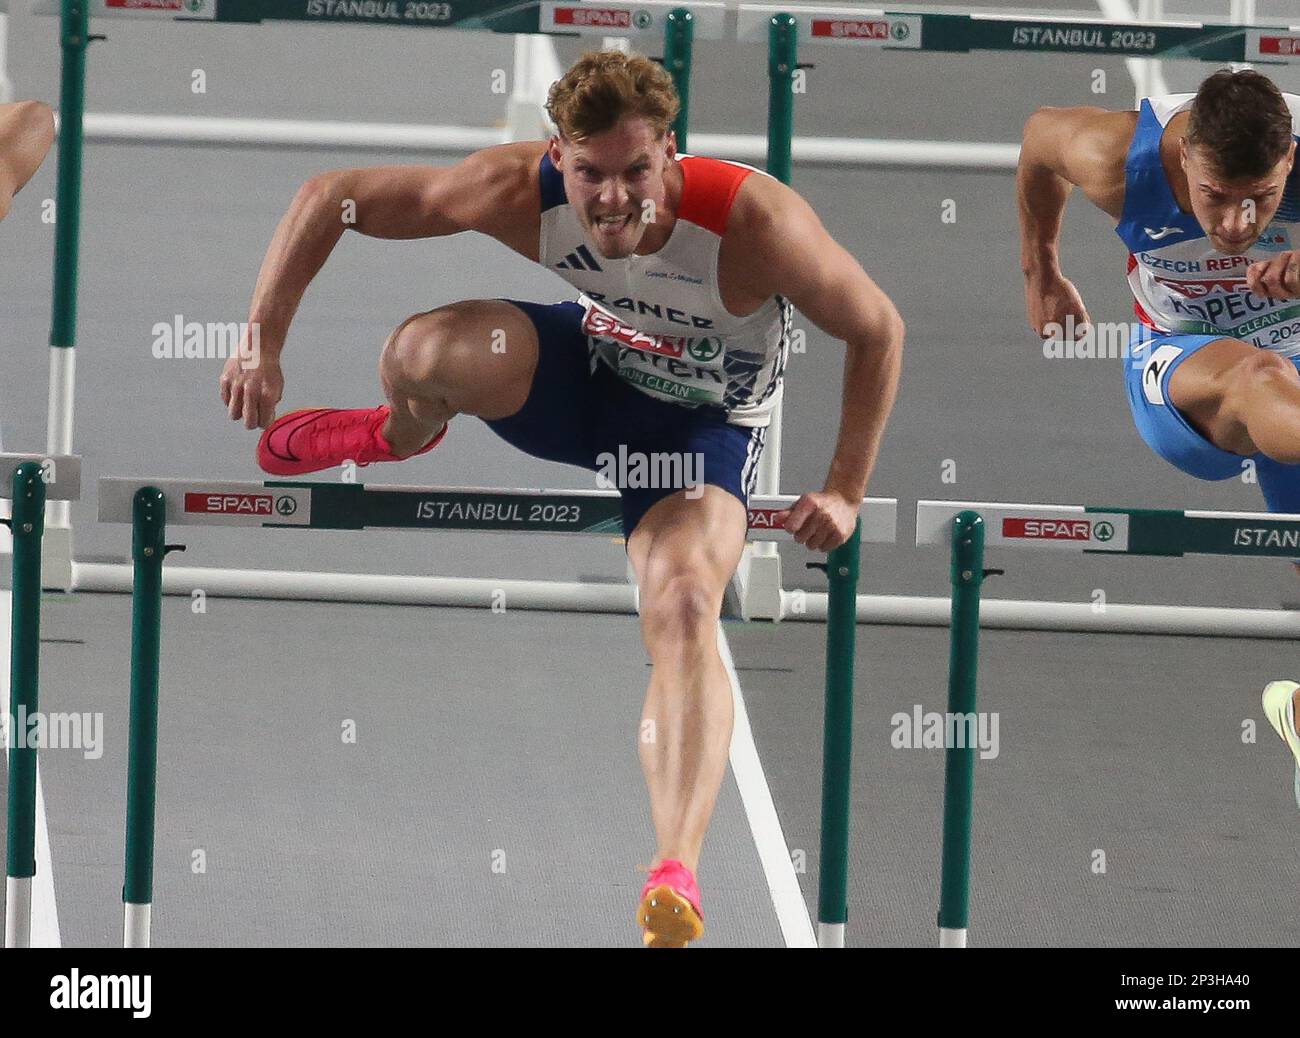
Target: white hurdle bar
x=810 y=606
x=339 y=506
x=1113 y=531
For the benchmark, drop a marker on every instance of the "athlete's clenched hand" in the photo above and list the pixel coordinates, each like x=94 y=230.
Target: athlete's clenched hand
x=822 y=520
x=1052 y=300
x=1276 y=278
x=251 y=386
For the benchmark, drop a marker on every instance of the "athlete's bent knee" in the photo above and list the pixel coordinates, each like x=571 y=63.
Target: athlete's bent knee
x=1260 y=372
x=682 y=608
x=413 y=350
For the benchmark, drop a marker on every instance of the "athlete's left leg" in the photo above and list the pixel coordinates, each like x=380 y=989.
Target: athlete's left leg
x=26 y=133
x=684 y=551
x=1241 y=398
x=1212 y=407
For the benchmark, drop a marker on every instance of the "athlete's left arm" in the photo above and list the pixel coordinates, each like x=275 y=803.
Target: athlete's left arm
x=788 y=252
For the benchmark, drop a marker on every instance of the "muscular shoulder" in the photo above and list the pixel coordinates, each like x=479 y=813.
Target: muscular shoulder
x=506 y=179
x=1087 y=146
x=768 y=221
x=759 y=203
x=764 y=213
x=509 y=165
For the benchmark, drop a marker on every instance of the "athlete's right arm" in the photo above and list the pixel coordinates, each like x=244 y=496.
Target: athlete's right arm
x=489 y=192
x=26 y=134
x=1064 y=148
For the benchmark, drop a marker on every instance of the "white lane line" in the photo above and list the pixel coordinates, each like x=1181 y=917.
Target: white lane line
x=45 y=913
x=769 y=839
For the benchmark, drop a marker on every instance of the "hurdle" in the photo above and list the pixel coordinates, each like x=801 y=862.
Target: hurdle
x=28 y=481
x=151 y=506
x=968 y=527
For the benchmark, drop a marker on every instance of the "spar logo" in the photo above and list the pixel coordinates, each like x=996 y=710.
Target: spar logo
x=1284 y=46
x=766 y=519
x=603 y=17
x=597 y=322
x=855 y=29
x=870 y=29
x=1037 y=529
x=1200 y=289
x=192 y=6
x=251 y=505
x=704 y=350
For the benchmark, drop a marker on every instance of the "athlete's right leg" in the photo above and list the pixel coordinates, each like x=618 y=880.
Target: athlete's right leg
x=521 y=367
x=1243 y=399
x=475 y=357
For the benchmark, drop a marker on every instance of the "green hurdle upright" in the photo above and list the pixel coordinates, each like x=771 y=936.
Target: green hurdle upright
x=147 y=552
x=837 y=739
x=959 y=764
x=679 y=36
x=28 y=525
x=782 y=62
x=30 y=480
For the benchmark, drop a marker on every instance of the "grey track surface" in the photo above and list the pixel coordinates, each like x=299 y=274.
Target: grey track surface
x=519 y=737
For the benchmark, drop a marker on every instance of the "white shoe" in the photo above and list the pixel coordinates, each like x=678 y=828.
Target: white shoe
x=1279 y=708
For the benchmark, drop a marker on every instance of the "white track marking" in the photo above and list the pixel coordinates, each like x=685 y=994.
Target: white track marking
x=769 y=839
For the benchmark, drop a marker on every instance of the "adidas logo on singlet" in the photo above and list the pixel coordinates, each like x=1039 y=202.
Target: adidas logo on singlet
x=579 y=259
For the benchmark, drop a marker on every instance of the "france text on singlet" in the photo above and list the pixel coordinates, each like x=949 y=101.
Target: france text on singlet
x=658 y=321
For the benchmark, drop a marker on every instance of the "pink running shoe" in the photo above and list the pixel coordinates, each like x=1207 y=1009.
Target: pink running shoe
x=670 y=907
x=323 y=437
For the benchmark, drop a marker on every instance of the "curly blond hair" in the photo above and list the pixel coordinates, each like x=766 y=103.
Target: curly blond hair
x=603 y=86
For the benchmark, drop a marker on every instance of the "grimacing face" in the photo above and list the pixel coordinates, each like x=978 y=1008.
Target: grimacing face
x=611 y=177
x=1233 y=213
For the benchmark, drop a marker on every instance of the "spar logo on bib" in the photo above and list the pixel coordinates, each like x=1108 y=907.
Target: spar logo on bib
x=704 y=350
x=606 y=326
x=1039 y=529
